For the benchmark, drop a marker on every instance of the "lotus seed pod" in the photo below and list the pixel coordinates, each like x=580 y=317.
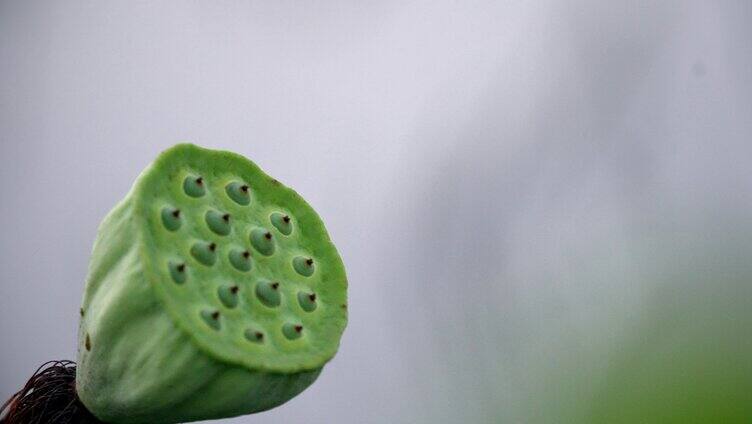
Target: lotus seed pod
x=202 y=299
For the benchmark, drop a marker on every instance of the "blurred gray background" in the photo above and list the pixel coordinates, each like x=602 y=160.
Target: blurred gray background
x=544 y=207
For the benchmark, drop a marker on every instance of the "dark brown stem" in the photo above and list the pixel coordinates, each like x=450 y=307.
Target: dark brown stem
x=49 y=397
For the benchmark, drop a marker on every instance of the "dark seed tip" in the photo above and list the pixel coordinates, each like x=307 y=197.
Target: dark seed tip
x=259 y=335
x=309 y=261
x=246 y=254
x=200 y=180
x=286 y=218
x=298 y=328
x=212 y=246
x=176 y=213
x=268 y=235
x=275 y=286
x=234 y=289
x=244 y=188
x=226 y=217
x=181 y=268
x=215 y=315
x=312 y=296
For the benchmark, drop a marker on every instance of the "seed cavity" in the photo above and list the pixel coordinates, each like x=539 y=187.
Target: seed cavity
x=253 y=335
x=239 y=192
x=281 y=222
x=240 y=259
x=205 y=252
x=303 y=265
x=171 y=218
x=307 y=301
x=268 y=293
x=194 y=186
x=211 y=318
x=292 y=331
x=228 y=295
x=262 y=240
x=177 y=272
x=218 y=222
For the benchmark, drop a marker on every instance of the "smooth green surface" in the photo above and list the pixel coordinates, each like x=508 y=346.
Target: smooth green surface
x=177 y=331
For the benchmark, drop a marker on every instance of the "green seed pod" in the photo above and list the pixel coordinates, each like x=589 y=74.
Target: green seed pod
x=239 y=192
x=307 y=301
x=281 y=222
x=240 y=259
x=268 y=293
x=303 y=266
x=202 y=303
x=171 y=218
x=218 y=222
x=263 y=241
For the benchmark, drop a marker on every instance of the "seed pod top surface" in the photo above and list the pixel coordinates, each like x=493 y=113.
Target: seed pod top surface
x=242 y=264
